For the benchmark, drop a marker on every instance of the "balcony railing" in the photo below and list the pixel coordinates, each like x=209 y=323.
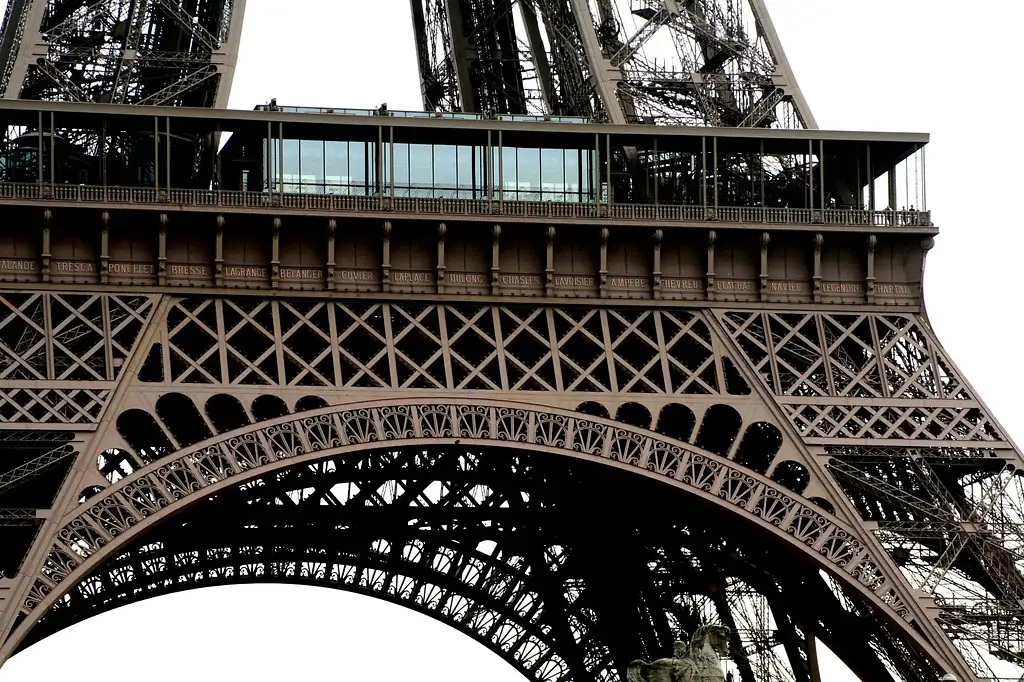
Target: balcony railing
x=136 y=196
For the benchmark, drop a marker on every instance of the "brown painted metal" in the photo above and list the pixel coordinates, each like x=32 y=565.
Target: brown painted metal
x=562 y=339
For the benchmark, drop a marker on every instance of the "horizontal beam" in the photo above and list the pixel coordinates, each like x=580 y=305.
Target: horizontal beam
x=226 y=119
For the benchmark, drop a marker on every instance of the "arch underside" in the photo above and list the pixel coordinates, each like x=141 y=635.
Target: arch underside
x=566 y=568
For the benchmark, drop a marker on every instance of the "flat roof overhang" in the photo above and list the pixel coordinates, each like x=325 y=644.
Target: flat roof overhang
x=886 y=148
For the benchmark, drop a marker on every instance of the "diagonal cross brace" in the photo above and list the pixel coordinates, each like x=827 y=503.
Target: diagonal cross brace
x=34 y=467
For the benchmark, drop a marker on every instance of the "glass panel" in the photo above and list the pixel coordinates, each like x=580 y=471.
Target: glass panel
x=578 y=170
x=311 y=166
x=336 y=174
x=552 y=175
x=470 y=175
x=421 y=170
x=445 y=171
x=401 y=177
x=359 y=170
x=508 y=169
x=292 y=178
x=528 y=174
x=270 y=147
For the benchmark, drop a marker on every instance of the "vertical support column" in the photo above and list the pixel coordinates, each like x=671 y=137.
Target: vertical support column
x=924 y=180
x=819 y=240
x=656 y=273
x=39 y=152
x=44 y=256
x=161 y=257
x=280 y=163
x=218 y=253
x=549 y=267
x=821 y=178
x=104 y=247
x=488 y=187
x=609 y=195
x=891 y=187
x=765 y=240
x=391 y=167
x=501 y=170
x=809 y=198
x=760 y=173
x=714 y=171
x=710 y=275
x=156 y=154
x=441 y=231
x=270 y=160
x=871 y=185
x=496 y=260
x=869 y=283
x=704 y=175
x=385 y=267
x=275 y=254
x=167 y=154
x=53 y=151
x=603 y=286
x=332 y=228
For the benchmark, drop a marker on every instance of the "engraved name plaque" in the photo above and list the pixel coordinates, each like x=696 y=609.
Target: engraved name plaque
x=575 y=285
x=247 y=275
x=356 y=280
x=412 y=281
x=625 y=286
x=188 y=274
x=128 y=272
x=74 y=271
x=301 y=278
x=791 y=290
x=843 y=292
x=736 y=289
x=466 y=282
x=19 y=270
x=686 y=288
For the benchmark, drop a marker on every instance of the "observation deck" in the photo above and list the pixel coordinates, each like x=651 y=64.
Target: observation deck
x=458 y=204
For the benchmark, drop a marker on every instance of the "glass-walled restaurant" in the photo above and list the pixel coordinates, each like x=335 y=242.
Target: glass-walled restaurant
x=454 y=159
x=767 y=169
x=438 y=171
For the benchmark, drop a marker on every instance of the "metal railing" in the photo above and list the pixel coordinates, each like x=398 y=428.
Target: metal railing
x=752 y=215
x=398 y=113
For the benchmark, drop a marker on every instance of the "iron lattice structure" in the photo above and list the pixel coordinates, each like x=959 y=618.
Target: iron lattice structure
x=696 y=62
x=573 y=484
x=567 y=568
x=677 y=62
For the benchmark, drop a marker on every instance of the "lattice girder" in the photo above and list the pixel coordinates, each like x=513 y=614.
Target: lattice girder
x=730 y=385
x=916 y=452
x=869 y=376
x=212 y=467
x=159 y=52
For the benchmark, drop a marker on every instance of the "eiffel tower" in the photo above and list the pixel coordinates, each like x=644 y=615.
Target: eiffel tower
x=607 y=344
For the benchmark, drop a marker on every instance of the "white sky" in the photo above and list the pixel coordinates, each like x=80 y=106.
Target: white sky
x=943 y=67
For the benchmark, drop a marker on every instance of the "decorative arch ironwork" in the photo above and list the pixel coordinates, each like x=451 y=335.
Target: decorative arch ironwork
x=101 y=529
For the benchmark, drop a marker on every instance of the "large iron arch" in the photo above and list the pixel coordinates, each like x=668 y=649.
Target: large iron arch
x=104 y=527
